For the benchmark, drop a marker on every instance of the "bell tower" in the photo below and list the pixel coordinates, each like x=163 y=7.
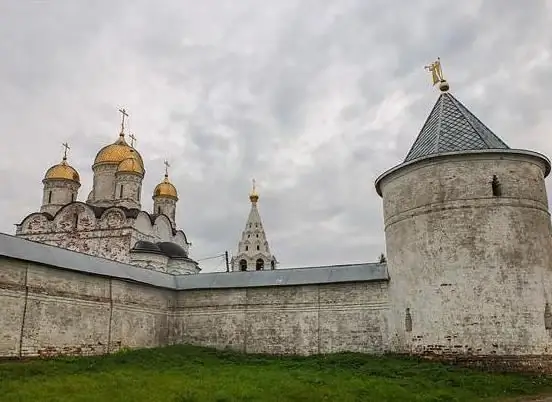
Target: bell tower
x=253 y=249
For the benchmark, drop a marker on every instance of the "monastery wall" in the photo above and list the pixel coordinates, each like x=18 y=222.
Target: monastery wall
x=101 y=306
x=303 y=320
x=48 y=311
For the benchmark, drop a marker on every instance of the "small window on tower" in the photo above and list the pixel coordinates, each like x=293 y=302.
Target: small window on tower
x=246 y=248
x=496 y=187
x=159 y=210
x=258 y=248
x=49 y=197
x=72 y=197
x=257 y=235
x=121 y=192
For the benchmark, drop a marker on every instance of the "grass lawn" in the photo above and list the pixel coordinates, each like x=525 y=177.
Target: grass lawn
x=192 y=374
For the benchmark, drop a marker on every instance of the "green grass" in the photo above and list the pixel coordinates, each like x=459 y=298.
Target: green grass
x=192 y=374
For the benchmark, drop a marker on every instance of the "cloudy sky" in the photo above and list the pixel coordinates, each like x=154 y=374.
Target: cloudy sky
x=312 y=98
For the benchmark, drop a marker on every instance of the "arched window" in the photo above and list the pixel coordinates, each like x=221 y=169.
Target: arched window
x=49 y=197
x=243 y=265
x=121 y=192
x=258 y=247
x=159 y=210
x=259 y=265
x=272 y=265
x=72 y=197
x=246 y=248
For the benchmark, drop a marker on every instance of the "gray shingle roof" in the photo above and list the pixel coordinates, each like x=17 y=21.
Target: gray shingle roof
x=452 y=127
x=26 y=250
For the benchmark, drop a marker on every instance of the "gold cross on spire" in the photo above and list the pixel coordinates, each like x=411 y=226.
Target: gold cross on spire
x=167 y=166
x=132 y=140
x=437 y=75
x=66 y=146
x=124 y=114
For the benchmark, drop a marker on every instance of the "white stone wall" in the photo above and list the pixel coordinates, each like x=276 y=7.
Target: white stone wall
x=142 y=229
x=48 y=312
x=128 y=190
x=300 y=320
x=103 y=187
x=182 y=267
x=156 y=262
x=57 y=193
x=470 y=272
x=166 y=206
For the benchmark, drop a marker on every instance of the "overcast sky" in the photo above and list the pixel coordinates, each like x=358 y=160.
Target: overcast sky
x=312 y=98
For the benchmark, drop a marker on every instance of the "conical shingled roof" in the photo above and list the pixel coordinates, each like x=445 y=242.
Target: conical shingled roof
x=451 y=127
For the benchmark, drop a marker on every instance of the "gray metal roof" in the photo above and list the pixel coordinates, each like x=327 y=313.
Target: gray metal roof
x=26 y=250
x=451 y=127
x=286 y=277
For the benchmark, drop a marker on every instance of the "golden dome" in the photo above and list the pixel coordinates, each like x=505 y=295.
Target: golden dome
x=130 y=165
x=165 y=189
x=62 y=171
x=117 y=152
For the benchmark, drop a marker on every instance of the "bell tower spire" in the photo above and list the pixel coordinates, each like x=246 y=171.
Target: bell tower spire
x=253 y=250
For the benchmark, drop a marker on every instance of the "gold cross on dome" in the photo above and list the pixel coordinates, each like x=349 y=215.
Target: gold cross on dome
x=124 y=114
x=66 y=146
x=132 y=140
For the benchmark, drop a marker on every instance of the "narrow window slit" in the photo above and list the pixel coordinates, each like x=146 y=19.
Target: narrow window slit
x=496 y=186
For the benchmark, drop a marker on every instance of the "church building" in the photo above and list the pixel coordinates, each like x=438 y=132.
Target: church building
x=111 y=223
x=253 y=250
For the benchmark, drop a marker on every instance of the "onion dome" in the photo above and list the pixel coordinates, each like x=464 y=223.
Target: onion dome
x=131 y=165
x=120 y=150
x=117 y=152
x=165 y=189
x=62 y=171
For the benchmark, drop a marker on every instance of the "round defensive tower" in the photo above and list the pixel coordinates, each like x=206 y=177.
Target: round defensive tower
x=468 y=241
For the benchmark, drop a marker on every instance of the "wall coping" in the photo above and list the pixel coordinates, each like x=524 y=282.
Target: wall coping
x=27 y=250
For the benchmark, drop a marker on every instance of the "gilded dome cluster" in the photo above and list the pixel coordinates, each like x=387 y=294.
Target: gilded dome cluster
x=120 y=154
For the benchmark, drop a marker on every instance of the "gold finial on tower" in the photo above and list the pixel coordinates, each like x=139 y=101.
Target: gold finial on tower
x=66 y=147
x=124 y=114
x=437 y=75
x=167 y=166
x=253 y=195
